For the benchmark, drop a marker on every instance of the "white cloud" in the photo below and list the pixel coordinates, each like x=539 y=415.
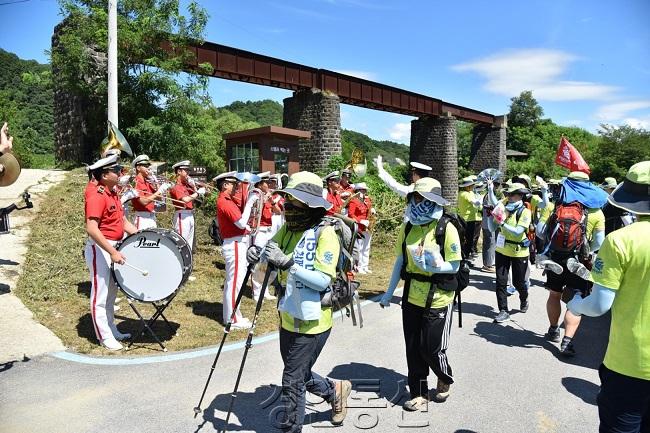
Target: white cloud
x=400 y=131
x=620 y=110
x=642 y=122
x=370 y=76
x=511 y=72
x=571 y=122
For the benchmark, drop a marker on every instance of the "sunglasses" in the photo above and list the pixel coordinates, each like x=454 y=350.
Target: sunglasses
x=117 y=169
x=143 y=165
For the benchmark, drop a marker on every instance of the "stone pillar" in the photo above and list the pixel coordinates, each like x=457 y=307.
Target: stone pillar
x=433 y=142
x=489 y=146
x=319 y=113
x=79 y=121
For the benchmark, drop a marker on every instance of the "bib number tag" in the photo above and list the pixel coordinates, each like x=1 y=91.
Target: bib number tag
x=501 y=240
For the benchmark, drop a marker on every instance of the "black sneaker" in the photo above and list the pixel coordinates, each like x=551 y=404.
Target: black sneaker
x=503 y=316
x=523 y=307
x=566 y=348
x=553 y=334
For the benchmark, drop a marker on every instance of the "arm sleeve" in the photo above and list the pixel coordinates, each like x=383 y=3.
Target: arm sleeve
x=394 y=280
x=597 y=241
x=444 y=268
x=398 y=188
x=596 y=304
x=313 y=279
x=513 y=230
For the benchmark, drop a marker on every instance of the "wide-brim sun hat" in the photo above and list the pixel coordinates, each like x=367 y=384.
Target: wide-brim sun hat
x=524 y=179
x=516 y=188
x=609 y=182
x=578 y=175
x=430 y=189
x=633 y=194
x=466 y=181
x=307 y=188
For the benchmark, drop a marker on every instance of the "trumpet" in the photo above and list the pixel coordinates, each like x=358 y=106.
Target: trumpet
x=195 y=185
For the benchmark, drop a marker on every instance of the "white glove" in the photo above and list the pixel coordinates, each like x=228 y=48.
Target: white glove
x=201 y=191
x=129 y=195
x=6 y=140
x=541 y=182
x=345 y=194
x=379 y=162
x=373 y=211
x=164 y=187
x=365 y=223
x=124 y=180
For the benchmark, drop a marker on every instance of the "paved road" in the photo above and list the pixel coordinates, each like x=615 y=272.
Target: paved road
x=508 y=379
x=20 y=335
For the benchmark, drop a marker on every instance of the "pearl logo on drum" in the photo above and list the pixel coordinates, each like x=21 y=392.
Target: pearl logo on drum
x=144 y=243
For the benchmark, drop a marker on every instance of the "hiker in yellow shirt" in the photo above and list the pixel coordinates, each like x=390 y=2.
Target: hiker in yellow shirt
x=306 y=255
x=469 y=208
x=428 y=270
x=621 y=275
x=512 y=249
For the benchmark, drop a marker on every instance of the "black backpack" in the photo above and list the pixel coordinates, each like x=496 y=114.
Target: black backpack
x=213 y=232
x=452 y=282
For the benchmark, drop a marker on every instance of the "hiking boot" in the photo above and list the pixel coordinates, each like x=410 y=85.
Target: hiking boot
x=523 y=306
x=553 y=334
x=416 y=403
x=511 y=290
x=503 y=316
x=340 y=403
x=488 y=269
x=442 y=392
x=566 y=348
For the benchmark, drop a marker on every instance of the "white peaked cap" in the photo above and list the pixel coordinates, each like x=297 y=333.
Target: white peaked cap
x=107 y=162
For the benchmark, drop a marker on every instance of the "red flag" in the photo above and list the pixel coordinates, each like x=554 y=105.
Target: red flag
x=568 y=157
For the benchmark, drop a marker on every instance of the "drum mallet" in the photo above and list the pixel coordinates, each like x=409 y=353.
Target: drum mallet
x=144 y=272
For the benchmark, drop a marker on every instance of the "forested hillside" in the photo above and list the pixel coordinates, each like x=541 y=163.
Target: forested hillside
x=26 y=103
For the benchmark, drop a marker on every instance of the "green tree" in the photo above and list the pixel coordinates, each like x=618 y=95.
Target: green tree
x=524 y=110
x=265 y=112
x=149 y=77
x=619 y=149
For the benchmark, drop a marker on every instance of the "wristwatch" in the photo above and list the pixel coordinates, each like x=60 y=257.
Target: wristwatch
x=293 y=269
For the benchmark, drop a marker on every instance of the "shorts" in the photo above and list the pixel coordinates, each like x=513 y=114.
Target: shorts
x=567 y=283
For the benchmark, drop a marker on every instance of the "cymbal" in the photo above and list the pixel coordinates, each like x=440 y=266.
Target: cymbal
x=9 y=169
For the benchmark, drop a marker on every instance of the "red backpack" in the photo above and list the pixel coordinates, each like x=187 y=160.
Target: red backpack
x=567 y=229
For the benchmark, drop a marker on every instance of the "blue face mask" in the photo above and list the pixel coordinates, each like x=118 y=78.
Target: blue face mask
x=423 y=212
x=513 y=206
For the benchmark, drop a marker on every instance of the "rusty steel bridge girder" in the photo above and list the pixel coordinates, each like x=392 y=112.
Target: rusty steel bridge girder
x=240 y=65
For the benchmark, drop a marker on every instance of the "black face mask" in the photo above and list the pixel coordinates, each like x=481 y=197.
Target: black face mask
x=301 y=219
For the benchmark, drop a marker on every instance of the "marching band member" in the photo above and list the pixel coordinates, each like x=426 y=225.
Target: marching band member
x=263 y=234
x=183 y=196
x=333 y=192
x=105 y=225
x=360 y=209
x=232 y=226
x=148 y=192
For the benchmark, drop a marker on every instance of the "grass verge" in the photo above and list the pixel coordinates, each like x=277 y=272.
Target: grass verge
x=55 y=283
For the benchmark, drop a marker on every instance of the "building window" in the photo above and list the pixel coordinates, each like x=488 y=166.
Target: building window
x=281 y=161
x=245 y=157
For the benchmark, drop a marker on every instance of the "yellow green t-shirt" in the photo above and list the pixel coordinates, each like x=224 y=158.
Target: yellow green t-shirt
x=595 y=222
x=419 y=290
x=510 y=249
x=546 y=212
x=466 y=209
x=623 y=265
x=327 y=254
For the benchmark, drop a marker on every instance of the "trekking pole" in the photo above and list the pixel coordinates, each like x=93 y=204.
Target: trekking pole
x=460 y=309
x=226 y=331
x=249 y=340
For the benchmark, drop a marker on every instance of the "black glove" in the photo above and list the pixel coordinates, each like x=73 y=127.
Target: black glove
x=253 y=254
x=276 y=257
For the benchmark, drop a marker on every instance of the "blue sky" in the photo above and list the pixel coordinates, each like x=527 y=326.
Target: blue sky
x=587 y=62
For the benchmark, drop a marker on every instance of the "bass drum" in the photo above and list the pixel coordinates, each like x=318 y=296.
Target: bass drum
x=165 y=257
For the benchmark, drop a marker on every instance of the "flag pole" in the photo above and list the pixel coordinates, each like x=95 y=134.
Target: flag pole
x=112 y=62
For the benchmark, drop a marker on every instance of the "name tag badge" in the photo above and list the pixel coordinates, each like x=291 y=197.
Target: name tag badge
x=501 y=240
